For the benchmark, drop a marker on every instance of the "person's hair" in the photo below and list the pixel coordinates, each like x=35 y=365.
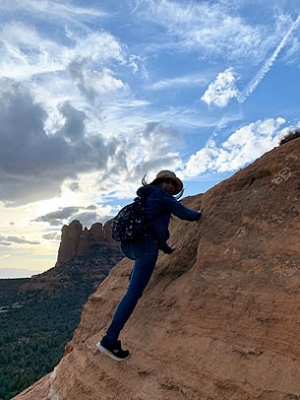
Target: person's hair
x=157 y=182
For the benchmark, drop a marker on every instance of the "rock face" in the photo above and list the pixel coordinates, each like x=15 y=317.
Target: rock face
x=220 y=318
x=77 y=242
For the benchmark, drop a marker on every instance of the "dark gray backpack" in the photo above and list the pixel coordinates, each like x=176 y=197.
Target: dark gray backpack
x=130 y=223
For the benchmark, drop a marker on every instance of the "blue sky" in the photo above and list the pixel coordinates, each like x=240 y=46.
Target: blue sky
x=96 y=94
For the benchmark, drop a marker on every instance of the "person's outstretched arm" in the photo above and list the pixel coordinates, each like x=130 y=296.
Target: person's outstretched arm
x=179 y=210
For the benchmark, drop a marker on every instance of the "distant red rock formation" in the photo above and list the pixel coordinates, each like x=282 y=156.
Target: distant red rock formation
x=76 y=241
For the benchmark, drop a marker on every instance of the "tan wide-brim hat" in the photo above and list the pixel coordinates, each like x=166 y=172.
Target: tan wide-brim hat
x=166 y=174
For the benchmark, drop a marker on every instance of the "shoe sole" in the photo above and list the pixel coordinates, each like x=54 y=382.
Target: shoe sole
x=109 y=354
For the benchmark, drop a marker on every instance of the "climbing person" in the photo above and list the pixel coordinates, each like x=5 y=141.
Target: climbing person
x=161 y=200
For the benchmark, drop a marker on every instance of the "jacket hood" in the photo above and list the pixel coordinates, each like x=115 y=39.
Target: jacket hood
x=145 y=191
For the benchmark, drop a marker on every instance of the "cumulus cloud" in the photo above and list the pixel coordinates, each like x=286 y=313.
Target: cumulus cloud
x=74 y=127
x=65 y=112
x=33 y=163
x=241 y=148
x=149 y=148
x=94 y=84
x=222 y=89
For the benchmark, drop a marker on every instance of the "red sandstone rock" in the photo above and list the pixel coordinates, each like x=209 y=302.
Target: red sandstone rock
x=76 y=241
x=220 y=318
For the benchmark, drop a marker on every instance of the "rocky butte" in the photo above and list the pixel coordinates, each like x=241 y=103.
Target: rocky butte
x=220 y=319
x=85 y=257
x=79 y=242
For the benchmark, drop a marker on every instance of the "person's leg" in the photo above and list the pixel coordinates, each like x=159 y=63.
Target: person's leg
x=142 y=271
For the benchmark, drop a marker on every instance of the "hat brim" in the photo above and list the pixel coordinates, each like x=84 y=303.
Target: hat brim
x=177 y=182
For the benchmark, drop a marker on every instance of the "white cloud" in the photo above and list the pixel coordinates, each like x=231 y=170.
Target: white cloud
x=95 y=84
x=52 y=10
x=34 y=163
x=134 y=62
x=242 y=147
x=96 y=47
x=269 y=62
x=222 y=89
x=187 y=80
x=211 y=30
x=25 y=53
x=292 y=53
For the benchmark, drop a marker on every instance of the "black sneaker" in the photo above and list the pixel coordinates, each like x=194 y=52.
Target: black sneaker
x=114 y=351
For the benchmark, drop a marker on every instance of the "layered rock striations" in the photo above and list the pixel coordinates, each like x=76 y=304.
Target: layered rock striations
x=220 y=318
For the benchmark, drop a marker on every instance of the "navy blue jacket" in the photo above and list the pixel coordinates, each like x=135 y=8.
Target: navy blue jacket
x=159 y=205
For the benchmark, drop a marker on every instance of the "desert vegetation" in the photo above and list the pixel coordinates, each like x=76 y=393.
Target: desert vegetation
x=291 y=135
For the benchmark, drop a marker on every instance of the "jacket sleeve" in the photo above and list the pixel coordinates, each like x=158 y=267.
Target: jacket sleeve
x=174 y=207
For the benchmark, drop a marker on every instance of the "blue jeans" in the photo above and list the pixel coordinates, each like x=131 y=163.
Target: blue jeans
x=145 y=254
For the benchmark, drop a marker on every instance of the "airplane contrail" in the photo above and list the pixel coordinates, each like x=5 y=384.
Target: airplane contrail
x=268 y=64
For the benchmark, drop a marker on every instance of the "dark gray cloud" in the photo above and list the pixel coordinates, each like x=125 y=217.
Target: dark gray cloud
x=160 y=137
x=56 y=217
x=156 y=141
x=86 y=215
x=52 y=236
x=87 y=218
x=91 y=207
x=9 y=240
x=33 y=162
x=94 y=84
x=74 y=186
x=75 y=70
x=74 y=125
